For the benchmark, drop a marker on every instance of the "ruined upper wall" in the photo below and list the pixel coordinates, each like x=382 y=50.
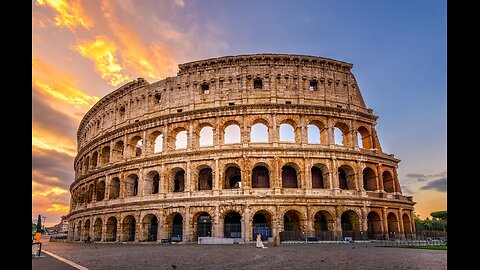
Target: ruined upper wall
x=231 y=80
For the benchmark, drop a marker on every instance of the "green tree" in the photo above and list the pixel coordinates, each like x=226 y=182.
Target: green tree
x=439 y=215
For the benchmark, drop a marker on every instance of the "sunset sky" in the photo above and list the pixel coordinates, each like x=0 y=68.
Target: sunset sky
x=83 y=50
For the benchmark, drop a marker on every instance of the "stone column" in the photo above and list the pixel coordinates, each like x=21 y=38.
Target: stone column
x=333 y=177
x=104 y=229
x=401 y=229
x=190 y=136
x=353 y=134
x=380 y=177
x=246 y=231
x=385 y=222
x=359 y=176
x=338 y=223
x=187 y=180
x=307 y=179
x=309 y=222
x=216 y=181
x=273 y=135
x=364 y=225
x=216 y=230
x=186 y=225
x=276 y=177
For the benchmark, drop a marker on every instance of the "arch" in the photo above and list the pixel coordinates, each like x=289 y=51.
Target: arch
x=152 y=183
x=346 y=177
x=114 y=188
x=90 y=193
x=129 y=225
x=319 y=174
x=202 y=225
x=364 y=138
x=105 y=156
x=97 y=230
x=292 y=227
x=233 y=177
x=206 y=136
x=181 y=139
x=289 y=177
x=287 y=133
x=149 y=228
x=392 y=225
x=179 y=180
x=100 y=191
x=340 y=134
x=374 y=226
x=260 y=177
x=111 y=232
x=131 y=185
x=118 y=151
x=388 y=182
x=86 y=235
x=232 y=134
x=323 y=224
x=205 y=179
x=175 y=222
x=350 y=222
x=94 y=160
x=79 y=231
x=135 y=146
x=369 y=179
x=232 y=225
x=316 y=132
x=86 y=165
x=259 y=133
x=406 y=225
x=262 y=223
x=157 y=139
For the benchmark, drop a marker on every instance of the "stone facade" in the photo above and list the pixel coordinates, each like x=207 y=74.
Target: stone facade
x=134 y=181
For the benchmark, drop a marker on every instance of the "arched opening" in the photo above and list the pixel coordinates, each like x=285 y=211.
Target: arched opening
x=319 y=176
x=262 y=223
x=291 y=227
x=374 y=226
x=350 y=225
x=203 y=225
x=392 y=224
x=346 y=177
x=259 y=133
x=388 y=182
x=100 y=191
x=205 y=179
x=179 y=181
x=323 y=226
x=364 y=138
x=181 y=140
x=232 y=225
x=152 y=183
x=86 y=165
x=341 y=134
x=129 y=226
x=150 y=228
x=287 y=133
x=105 y=156
x=118 y=151
x=115 y=188
x=176 y=231
x=406 y=226
x=97 y=230
x=338 y=136
x=260 y=177
x=90 y=193
x=111 y=233
x=83 y=195
x=158 y=143
x=94 y=159
x=232 y=134
x=206 y=136
x=233 y=177
x=131 y=183
x=313 y=134
x=369 y=179
x=79 y=231
x=86 y=235
x=289 y=177
x=135 y=146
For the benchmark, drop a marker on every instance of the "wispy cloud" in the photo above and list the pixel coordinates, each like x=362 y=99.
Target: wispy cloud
x=426 y=177
x=70 y=14
x=438 y=185
x=407 y=190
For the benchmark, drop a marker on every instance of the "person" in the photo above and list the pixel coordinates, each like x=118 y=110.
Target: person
x=259 y=241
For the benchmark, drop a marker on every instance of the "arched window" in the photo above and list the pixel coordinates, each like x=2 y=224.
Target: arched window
x=233 y=177
x=105 y=156
x=313 y=134
x=260 y=177
x=179 y=181
x=138 y=148
x=205 y=179
x=118 y=151
x=369 y=179
x=287 y=133
x=115 y=188
x=346 y=177
x=364 y=138
x=94 y=160
x=206 y=136
x=181 y=140
x=232 y=134
x=289 y=177
x=388 y=182
x=338 y=136
x=158 y=144
x=317 y=177
x=359 y=140
x=259 y=133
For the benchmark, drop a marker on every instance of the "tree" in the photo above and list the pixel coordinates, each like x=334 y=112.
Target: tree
x=439 y=215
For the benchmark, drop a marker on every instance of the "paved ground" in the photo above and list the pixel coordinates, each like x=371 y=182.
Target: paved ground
x=46 y=262
x=107 y=256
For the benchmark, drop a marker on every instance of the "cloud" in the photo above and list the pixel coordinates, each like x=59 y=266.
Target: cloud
x=180 y=3
x=50 y=201
x=438 y=185
x=407 y=191
x=102 y=52
x=423 y=177
x=50 y=167
x=70 y=14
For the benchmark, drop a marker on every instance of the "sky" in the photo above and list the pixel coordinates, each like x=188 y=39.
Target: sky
x=83 y=50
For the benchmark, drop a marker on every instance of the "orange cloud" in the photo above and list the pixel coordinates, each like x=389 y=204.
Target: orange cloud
x=44 y=139
x=70 y=13
x=102 y=52
x=51 y=200
x=59 y=208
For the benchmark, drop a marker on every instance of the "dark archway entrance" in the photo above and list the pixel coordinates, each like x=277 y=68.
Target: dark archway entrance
x=374 y=226
x=232 y=226
x=323 y=231
x=291 y=227
x=260 y=177
x=204 y=225
x=262 y=223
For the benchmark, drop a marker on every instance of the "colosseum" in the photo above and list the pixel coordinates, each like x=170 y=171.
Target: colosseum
x=276 y=144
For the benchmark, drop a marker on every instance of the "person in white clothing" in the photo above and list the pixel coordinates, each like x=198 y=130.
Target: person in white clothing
x=259 y=241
